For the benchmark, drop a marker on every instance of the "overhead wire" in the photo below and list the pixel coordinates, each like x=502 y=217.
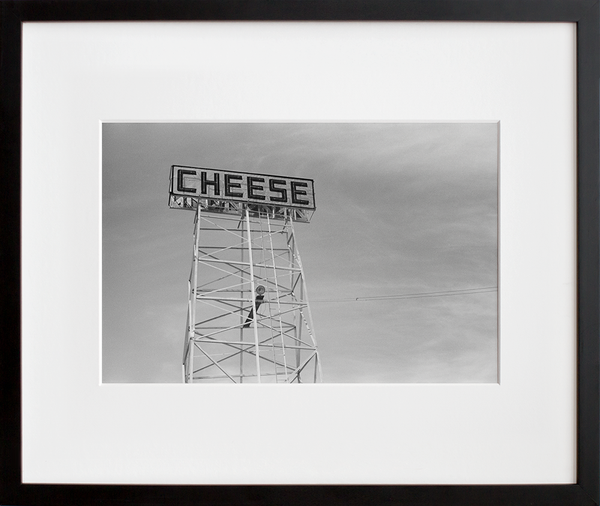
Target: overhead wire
x=444 y=293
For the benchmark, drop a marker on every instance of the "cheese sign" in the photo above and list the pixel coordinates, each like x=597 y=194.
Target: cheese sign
x=242 y=187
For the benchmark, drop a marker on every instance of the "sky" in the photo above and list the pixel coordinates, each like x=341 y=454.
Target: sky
x=404 y=211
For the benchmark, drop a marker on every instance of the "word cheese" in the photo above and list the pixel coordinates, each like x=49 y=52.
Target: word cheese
x=242 y=187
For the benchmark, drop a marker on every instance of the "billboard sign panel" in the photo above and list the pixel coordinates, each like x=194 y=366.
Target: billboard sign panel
x=225 y=185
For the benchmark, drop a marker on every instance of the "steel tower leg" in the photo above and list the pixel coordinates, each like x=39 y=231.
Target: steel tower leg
x=188 y=352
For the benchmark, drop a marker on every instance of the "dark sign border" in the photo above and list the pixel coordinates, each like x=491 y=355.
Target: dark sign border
x=585 y=13
x=310 y=182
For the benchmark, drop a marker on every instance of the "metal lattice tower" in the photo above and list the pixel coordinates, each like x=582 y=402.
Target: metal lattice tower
x=248 y=318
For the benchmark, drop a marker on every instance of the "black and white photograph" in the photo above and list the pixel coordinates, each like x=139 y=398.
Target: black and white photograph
x=300 y=252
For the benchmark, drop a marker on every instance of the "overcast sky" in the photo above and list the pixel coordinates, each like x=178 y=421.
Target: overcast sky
x=402 y=209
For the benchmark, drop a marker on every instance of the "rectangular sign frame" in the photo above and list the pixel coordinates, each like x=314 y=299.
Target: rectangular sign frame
x=246 y=187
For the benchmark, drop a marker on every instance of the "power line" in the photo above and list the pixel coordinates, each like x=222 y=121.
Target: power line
x=445 y=293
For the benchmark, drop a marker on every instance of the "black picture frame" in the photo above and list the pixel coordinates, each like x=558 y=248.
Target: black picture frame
x=585 y=13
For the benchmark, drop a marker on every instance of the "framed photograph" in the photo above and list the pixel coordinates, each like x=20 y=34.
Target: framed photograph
x=316 y=252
